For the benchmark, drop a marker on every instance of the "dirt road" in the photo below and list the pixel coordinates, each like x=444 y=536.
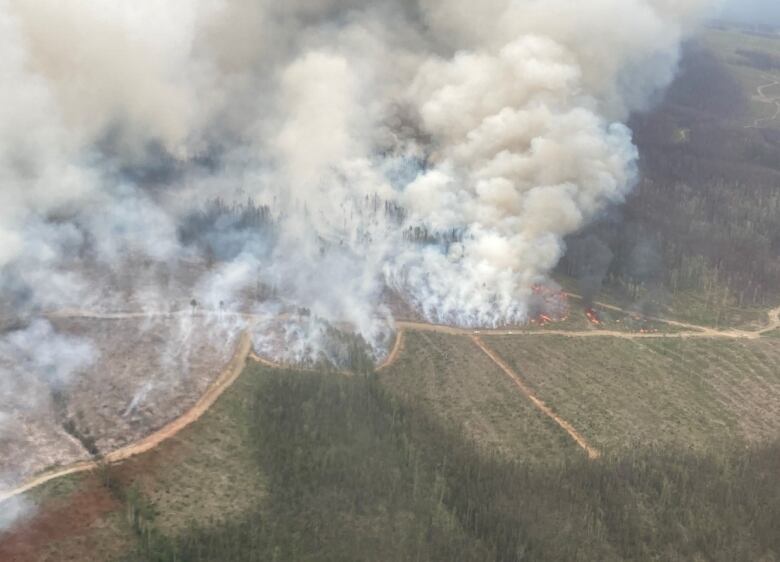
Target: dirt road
x=770 y=100
x=536 y=401
x=395 y=353
x=702 y=332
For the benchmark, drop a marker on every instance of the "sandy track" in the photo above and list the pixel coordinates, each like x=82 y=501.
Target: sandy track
x=536 y=401
x=702 y=332
x=395 y=353
x=244 y=352
x=774 y=321
x=769 y=100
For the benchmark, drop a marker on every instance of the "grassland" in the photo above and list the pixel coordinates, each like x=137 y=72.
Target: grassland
x=699 y=394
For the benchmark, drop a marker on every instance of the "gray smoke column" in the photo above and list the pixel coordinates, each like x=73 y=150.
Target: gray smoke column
x=441 y=148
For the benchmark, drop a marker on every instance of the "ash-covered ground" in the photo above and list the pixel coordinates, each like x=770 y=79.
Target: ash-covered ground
x=139 y=374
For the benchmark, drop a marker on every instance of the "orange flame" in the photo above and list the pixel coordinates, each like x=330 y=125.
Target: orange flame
x=593 y=316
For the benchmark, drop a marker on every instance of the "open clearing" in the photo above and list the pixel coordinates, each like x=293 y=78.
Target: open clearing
x=231 y=372
x=206 y=473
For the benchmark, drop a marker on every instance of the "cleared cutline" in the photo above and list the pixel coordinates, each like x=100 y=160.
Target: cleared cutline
x=226 y=378
x=395 y=353
x=578 y=438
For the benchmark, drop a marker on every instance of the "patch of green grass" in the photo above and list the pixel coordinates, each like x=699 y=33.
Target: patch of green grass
x=57 y=488
x=356 y=475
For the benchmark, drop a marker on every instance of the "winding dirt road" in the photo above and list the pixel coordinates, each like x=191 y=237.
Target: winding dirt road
x=770 y=100
x=244 y=351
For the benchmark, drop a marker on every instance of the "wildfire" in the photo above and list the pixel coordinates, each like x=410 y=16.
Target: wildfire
x=593 y=316
x=554 y=303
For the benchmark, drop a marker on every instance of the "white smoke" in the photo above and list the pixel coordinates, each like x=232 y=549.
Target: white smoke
x=441 y=148
x=13 y=511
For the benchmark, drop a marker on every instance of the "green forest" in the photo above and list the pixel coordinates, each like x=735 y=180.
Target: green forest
x=355 y=473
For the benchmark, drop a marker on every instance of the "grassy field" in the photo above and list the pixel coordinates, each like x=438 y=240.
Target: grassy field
x=698 y=394
x=450 y=377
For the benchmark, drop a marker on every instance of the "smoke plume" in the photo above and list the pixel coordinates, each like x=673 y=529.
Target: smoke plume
x=498 y=124
x=298 y=159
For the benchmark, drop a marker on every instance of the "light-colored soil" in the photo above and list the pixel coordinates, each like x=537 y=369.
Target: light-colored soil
x=222 y=383
x=147 y=372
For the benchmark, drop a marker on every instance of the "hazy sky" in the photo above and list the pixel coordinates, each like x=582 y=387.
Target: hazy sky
x=754 y=11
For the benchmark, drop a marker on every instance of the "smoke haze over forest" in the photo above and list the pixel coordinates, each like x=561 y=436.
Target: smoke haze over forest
x=441 y=149
x=499 y=125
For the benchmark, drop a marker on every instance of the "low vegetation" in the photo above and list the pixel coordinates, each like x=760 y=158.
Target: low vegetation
x=355 y=474
x=699 y=393
x=449 y=377
x=435 y=459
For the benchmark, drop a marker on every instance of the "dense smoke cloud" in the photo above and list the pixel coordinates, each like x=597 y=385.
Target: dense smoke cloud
x=501 y=120
x=120 y=120
x=439 y=148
